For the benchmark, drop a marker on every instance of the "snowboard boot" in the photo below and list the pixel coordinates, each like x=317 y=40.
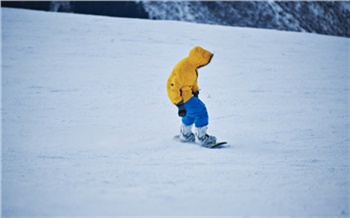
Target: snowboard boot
x=186 y=134
x=203 y=138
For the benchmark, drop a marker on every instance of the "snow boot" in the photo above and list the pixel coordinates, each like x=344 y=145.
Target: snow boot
x=203 y=138
x=186 y=134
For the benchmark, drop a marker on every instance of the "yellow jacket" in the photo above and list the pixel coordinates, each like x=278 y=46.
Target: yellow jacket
x=182 y=82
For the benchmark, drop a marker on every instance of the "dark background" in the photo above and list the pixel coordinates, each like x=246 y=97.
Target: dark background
x=324 y=17
x=107 y=8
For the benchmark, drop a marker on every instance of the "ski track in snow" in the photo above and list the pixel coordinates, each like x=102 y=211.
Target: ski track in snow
x=87 y=126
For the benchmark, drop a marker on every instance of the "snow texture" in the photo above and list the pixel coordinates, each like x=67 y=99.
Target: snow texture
x=87 y=126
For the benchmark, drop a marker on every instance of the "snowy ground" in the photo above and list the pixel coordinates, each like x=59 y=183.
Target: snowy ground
x=87 y=126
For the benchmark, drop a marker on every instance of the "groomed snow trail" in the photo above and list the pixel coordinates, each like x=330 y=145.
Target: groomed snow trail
x=87 y=126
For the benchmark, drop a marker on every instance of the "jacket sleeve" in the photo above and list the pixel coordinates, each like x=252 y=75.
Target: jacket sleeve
x=195 y=87
x=176 y=83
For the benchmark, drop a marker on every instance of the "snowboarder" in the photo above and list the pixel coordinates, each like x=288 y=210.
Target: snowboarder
x=183 y=91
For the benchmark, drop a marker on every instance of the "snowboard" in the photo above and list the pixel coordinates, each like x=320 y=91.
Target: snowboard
x=210 y=146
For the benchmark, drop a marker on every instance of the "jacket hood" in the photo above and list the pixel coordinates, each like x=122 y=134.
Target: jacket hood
x=199 y=56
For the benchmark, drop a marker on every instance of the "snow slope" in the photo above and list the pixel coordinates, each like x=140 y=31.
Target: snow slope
x=87 y=126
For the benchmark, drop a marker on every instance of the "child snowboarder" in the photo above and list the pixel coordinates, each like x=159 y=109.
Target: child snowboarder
x=182 y=88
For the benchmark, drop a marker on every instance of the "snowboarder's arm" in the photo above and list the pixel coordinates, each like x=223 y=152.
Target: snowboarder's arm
x=182 y=110
x=175 y=89
x=195 y=87
x=195 y=90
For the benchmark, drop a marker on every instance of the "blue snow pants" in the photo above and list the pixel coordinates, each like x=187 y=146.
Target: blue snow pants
x=196 y=113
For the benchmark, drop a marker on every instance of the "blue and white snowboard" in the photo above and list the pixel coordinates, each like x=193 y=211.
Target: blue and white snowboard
x=215 y=145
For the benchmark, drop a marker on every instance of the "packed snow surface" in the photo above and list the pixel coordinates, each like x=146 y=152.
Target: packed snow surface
x=87 y=126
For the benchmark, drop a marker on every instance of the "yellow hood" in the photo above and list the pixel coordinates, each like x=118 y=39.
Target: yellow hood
x=182 y=82
x=199 y=56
